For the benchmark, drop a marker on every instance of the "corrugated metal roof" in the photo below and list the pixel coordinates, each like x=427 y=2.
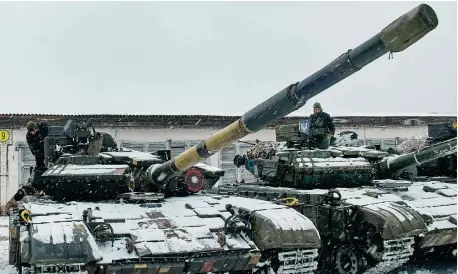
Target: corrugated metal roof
x=15 y=120
x=413 y=115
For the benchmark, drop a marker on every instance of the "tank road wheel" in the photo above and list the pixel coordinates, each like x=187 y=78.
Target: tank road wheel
x=269 y=264
x=265 y=270
x=374 y=246
x=262 y=270
x=350 y=260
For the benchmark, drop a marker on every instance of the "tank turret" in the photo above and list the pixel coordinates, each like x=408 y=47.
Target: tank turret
x=73 y=143
x=396 y=37
x=334 y=167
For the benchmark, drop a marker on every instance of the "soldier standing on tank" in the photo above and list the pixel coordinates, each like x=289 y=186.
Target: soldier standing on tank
x=35 y=135
x=321 y=127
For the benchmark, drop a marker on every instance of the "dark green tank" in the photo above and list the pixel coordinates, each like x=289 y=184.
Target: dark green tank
x=371 y=187
x=337 y=166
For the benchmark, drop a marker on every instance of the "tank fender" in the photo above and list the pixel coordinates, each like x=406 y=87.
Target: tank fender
x=283 y=228
x=391 y=220
x=53 y=243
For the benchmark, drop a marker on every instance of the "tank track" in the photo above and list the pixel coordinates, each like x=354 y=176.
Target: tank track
x=394 y=254
x=301 y=261
x=397 y=252
x=68 y=269
x=298 y=261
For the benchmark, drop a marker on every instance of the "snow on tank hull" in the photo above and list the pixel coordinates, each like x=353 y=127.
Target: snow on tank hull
x=399 y=210
x=435 y=201
x=395 y=225
x=175 y=235
x=70 y=181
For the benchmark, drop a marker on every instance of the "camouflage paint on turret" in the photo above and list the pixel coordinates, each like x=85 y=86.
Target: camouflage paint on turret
x=396 y=37
x=335 y=167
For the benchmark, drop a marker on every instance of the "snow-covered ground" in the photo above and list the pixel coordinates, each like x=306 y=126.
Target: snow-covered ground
x=7 y=269
x=4 y=267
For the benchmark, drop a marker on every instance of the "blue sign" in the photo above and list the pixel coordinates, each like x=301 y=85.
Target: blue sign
x=304 y=126
x=249 y=165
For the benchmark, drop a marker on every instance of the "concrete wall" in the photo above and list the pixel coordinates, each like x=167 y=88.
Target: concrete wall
x=17 y=139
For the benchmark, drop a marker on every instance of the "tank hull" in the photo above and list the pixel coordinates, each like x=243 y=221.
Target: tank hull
x=408 y=218
x=436 y=202
x=175 y=235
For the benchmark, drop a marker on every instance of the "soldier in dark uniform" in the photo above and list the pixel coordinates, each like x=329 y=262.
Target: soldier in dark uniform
x=35 y=135
x=321 y=127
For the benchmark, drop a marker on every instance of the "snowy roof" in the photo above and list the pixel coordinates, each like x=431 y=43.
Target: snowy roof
x=214 y=121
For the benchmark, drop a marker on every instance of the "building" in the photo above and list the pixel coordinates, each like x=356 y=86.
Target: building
x=178 y=132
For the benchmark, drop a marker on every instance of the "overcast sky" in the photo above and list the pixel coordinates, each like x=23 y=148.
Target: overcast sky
x=214 y=57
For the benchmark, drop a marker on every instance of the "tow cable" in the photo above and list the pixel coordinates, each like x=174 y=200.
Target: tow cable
x=290 y=201
x=25 y=216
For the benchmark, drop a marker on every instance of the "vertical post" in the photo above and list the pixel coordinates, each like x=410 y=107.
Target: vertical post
x=238 y=170
x=5 y=142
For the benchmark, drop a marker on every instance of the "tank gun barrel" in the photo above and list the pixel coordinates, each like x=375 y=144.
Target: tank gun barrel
x=396 y=37
x=394 y=164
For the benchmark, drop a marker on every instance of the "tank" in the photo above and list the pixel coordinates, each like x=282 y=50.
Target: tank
x=91 y=210
x=373 y=188
x=337 y=166
x=156 y=230
x=441 y=167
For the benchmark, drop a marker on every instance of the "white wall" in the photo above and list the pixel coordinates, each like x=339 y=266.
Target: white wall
x=382 y=133
x=154 y=135
x=159 y=135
